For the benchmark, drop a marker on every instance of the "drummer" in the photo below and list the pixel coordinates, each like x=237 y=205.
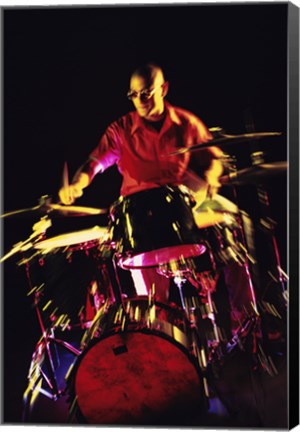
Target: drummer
x=138 y=143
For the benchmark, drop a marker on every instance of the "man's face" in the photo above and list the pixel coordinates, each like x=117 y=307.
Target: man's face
x=148 y=98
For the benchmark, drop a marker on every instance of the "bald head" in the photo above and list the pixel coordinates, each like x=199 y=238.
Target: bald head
x=148 y=89
x=150 y=73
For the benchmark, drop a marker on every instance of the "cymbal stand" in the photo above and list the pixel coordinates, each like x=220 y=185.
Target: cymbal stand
x=43 y=356
x=195 y=184
x=267 y=224
x=251 y=324
x=249 y=261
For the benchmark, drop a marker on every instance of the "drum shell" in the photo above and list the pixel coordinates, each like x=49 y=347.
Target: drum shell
x=68 y=285
x=142 y=313
x=224 y=246
x=153 y=220
x=137 y=374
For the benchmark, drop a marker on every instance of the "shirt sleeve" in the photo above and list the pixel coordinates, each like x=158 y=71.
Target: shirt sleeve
x=106 y=154
x=202 y=160
x=200 y=131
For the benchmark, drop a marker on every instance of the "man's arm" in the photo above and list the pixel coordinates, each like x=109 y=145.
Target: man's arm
x=207 y=163
x=103 y=156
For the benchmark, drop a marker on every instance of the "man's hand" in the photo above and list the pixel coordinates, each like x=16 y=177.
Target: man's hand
x=212 y=191
x=68 y=194
x=212 y=176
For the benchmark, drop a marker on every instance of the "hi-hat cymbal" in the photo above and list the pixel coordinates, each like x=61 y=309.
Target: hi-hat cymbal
x=255 y=173
x=75 y=210
x=225 y=139
x=57 y=210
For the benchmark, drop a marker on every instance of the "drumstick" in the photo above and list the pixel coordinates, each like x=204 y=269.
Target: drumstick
x=65 y=179
x=65 y=176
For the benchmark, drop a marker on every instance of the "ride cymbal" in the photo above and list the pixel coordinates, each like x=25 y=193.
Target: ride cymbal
x=255 y=174
x=226 y=139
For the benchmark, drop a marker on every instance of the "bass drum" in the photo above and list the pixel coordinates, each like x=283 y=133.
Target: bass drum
x=136 y=368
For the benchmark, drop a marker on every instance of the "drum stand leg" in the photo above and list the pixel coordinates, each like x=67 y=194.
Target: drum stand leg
x=200 y=347
x=43 y=356
x=117 y=293
x=179 y=281
x=211 y=311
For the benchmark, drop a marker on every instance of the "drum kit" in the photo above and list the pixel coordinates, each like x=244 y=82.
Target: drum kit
x=134 y=359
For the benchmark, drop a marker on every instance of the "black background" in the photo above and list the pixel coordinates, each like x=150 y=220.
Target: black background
x=65 y=77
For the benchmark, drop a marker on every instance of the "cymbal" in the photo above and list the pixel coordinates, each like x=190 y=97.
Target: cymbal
x=206 y=218
x=75 y=210
x=255 y=173
x=74 y=238
x=225 y=139
x=57 y=210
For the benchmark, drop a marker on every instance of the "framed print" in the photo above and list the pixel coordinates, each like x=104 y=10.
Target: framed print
x=150 y=215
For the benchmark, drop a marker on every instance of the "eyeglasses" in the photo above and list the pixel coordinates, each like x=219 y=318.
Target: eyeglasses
x=144 y=95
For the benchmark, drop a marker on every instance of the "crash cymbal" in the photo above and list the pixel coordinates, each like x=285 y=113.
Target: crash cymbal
x=255 y=173
x=226 y=139
x=57 y=210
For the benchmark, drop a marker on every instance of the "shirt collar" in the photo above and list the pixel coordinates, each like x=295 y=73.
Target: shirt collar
x=136 y=122
x=171 y=117
x=171 y=114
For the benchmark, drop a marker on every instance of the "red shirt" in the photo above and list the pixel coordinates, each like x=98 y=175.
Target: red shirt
x=142 y=154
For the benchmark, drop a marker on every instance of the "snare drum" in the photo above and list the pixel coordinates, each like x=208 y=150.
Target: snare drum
x=154 y=227
x=136 y=367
